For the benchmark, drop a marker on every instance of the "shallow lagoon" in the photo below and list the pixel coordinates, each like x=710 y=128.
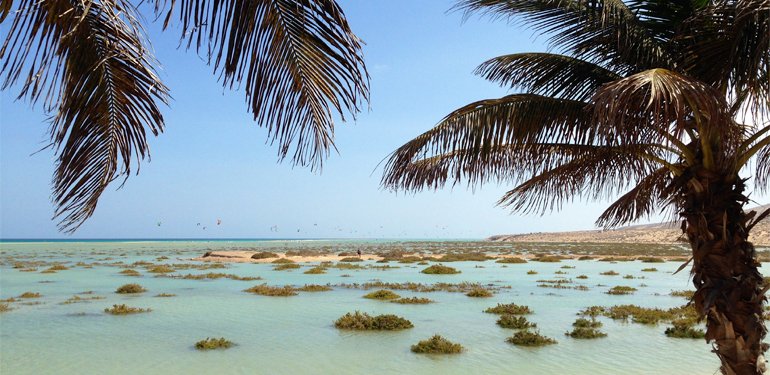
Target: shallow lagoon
x=295 y=335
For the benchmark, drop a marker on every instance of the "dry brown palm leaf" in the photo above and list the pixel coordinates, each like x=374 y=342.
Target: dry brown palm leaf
x=601 y=173
x=481 y=128
x=88 y=62
x=298 y=60
x=604 y=31
x=547 y=74
x=734 y=32
x=667 y=104
x=643 y=200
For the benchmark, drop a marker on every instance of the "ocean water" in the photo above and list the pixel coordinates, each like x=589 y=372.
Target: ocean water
x=296 y=335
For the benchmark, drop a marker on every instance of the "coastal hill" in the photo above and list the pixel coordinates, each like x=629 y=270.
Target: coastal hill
x=669 y=232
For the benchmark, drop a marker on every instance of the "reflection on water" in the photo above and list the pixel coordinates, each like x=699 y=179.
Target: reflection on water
x=295 y=335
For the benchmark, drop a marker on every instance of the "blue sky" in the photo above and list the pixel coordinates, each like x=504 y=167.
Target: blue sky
x=213 y=163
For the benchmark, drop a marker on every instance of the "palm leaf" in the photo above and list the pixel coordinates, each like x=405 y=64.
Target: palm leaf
x=475 y=132
x=547 y=74
x=663 y=103
x=647 y=196
x=595 y=175
x=729 y=48
x=88 y=60
x=503 y=163
x=603 y=31
x=298 y=60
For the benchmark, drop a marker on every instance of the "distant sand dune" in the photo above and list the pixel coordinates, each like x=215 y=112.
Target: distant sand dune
x=663 y=233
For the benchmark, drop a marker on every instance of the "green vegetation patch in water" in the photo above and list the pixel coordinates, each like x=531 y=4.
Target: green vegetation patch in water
x=125 y=310
x=621 y=290
x=365 y=322
x=382 y=295
x=644 y=315
x=683 y=293
x=212 y=343
x=214 y=276
x=130 y=289
x=464 y=257
x=272 y=291
x=79 y=299
x=318 y=270
x=130 y=272
x=512 y=260
x=586 y=333
x=439 y=269
x=314 y=288
x=413 y=301
x=286 y=266
x=161 y=269
x=437 y=345
x=683 y=329
x=509 y=309
x=530 y=338
x=515 y=322
x=585 y=323
x=479 y=293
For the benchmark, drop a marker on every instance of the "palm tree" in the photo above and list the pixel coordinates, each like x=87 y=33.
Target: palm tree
x=661 y=102
x=88 y=62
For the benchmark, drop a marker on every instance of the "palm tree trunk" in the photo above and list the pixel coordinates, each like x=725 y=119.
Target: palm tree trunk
x=728 y=284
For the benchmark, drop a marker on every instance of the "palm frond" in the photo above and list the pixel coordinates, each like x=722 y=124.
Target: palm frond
x=604 y=31
x=643 y=107
x=596 y=175
x=547 y=74
x=728 y=47
x=476 y=131
x=88 y=60
x=298 y=59
x=502 y=163
x=762 y=174
x=663 y=19
x=641 y=201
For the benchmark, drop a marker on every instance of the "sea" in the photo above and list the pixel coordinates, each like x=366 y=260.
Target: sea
x=296 y=335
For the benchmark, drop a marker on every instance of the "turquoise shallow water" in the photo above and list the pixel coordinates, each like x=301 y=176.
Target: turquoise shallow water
x=295 y=335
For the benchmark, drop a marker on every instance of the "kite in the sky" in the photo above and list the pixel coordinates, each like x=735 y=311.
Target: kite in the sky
x=219 y=221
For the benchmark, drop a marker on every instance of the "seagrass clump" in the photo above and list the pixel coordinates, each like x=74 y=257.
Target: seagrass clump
x=437 y=345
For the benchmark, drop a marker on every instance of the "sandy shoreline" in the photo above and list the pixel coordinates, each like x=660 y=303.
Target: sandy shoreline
x=240 y=256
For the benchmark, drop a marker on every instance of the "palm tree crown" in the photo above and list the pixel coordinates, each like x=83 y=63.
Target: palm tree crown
x=659 y=102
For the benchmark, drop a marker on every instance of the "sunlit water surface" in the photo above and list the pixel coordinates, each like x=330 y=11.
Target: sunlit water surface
x=295 y=335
